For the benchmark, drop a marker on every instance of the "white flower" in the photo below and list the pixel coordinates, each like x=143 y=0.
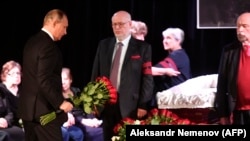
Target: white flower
x=137 y=122
x=115 y=138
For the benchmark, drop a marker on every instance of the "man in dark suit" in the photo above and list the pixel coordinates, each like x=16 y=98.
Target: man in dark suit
x=232 y=100
x=41 y=91
x=135 y=81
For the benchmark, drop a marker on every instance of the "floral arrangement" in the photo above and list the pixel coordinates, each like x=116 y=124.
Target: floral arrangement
x=95 y=94
x=165 y=117
x=155 y=117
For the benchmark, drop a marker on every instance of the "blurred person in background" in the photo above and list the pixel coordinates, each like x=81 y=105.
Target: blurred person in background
x=175 y=68
x=232 y=100
x=139 y=30
x=177 y=62
x=90 y=125
x=9 y=91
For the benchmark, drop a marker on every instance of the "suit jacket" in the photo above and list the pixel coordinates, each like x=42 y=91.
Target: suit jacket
x=227 y=77
x=136 y=81
x=41 y=90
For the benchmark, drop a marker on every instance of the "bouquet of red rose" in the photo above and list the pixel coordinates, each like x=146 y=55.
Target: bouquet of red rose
x=165 y=117
x=96 y=94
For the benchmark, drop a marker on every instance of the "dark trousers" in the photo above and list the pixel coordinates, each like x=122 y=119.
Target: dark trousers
x=4 y=136
x=14 y=133
x=34 y=131
x=91 y=133
x=241 y=117
x=111 y=116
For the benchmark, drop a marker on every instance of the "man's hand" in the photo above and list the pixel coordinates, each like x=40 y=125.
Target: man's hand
x=70 y=121
x=66 y=106
x=141 y=113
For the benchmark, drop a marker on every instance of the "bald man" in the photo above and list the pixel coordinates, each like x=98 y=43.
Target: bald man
x=41 y=91
x=134 y=80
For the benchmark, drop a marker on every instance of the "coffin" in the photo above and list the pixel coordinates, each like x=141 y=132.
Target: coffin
x=192 y=99
x=197 y=115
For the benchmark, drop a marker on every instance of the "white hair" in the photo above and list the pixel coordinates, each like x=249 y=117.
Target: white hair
x=177 y=33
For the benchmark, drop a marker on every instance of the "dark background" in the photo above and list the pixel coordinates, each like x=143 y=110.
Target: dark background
x=90 y=21
x=220 y=13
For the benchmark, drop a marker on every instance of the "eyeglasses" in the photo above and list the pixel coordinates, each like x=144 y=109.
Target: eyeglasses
x=120 y=24
x=14 y=73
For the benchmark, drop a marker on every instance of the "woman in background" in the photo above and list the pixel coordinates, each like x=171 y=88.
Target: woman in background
x=90 y=125
x=9 y=91
x=139 y=30
x=69 y=130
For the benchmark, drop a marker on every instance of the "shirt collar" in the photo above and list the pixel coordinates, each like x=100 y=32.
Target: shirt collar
x=125 y=41
x=43 y=29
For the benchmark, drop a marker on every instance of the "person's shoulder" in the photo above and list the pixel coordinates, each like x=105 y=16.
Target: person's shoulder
x=178 y=52
x=107 y=40
x=232 y=45
x=3 y=90
x=75 y=90
x=38 y=33
x=2 y=87
x=39 y=36
x=179 y=55
x=140 y=42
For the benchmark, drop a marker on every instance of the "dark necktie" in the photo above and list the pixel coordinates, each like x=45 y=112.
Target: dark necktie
x=115 y=65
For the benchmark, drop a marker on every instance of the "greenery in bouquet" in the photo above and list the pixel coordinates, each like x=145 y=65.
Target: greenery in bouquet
x=95 y=94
